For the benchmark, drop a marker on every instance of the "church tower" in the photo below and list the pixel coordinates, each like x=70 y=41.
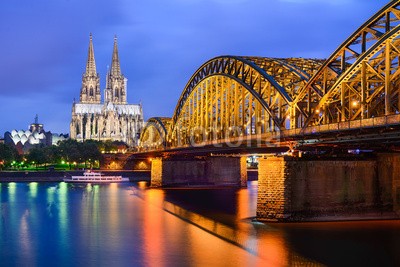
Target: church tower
x=112 y=119
x=116 y=83
x=90 y=91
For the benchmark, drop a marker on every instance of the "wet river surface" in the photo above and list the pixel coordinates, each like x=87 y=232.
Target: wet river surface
x=128 y=224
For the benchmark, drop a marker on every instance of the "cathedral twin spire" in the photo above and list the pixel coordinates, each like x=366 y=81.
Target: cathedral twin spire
x=91 y=63
x=116 y=82
x=115 y=66
x=115 y=91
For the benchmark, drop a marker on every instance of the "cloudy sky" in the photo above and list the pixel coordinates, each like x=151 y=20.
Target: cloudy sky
x=161 y=44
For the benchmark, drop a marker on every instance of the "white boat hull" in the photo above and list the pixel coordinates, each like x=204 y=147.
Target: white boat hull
x=92 y=177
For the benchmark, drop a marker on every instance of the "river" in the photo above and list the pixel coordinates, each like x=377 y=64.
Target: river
x=129 y=224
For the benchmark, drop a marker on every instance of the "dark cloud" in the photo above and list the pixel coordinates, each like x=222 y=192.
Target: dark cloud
x=161 y=43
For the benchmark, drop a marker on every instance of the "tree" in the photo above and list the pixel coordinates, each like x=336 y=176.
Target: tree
x=69 y=151
x=108 y=146
x=90 y=152
x=37 y=155
x=8 y=154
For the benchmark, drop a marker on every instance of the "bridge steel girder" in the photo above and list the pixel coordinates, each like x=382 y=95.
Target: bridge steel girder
x=369 y=88
x=229 y=96
x=257 y=90
x=342 y=59
x=154 y=134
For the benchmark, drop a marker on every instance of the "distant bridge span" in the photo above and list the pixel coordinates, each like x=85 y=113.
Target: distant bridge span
x=354 y=95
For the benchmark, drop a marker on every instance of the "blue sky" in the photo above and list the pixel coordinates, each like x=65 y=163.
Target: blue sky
x=161 y=44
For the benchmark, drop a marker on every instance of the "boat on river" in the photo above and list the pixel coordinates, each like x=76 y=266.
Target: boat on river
x=95 y=177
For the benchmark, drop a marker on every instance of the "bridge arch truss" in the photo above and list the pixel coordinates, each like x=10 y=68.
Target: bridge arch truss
x=154 y=133
x=230 y=96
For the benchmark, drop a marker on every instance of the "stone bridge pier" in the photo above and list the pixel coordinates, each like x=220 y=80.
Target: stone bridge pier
x=204 y=171
x=296 y=189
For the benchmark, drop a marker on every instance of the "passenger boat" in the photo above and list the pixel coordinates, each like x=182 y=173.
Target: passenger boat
x=95 y=177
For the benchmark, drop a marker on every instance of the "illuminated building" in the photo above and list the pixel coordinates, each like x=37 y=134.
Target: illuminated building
x=112 y=119
x=23 y=140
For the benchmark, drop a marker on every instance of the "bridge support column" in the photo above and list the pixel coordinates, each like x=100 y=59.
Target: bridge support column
x=210 y=171
x=156 y=172
x=243 y=172
x=298 y=189
x=389 y=171
x=227 y=171
x=274 y=189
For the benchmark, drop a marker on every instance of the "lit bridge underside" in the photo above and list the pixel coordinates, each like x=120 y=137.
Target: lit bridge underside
x=254 y=102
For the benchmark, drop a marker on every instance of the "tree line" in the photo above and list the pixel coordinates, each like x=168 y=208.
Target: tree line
x=70 y=152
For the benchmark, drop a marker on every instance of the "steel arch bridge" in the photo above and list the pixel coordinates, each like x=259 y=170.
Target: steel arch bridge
x=154 y=133
x=231 y=97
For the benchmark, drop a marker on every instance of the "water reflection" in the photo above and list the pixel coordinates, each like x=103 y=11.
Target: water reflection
x=33 y=187
x=12 y=188
x=25 y=238
x=153 y=230
x=50 y=192
x=113 y=208
x=62 y=206
x=364 y=243
x=132 y=225
x=233 y=224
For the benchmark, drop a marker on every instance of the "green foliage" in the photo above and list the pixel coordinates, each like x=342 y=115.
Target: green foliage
x=8 y=154
x=74 y=152
x=108 y=146
x=38 y=155
x=71 y=152
x=90 y=152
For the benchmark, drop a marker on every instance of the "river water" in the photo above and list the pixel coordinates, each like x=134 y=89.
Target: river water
x=59 y=224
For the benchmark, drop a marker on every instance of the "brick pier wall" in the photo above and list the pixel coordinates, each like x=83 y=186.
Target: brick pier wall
x=389 y=170
x=274 y=188
x=211 y=171
x=292 y=189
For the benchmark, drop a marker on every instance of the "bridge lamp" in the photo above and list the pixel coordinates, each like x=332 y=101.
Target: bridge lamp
x=317 y=111
x=355 y=103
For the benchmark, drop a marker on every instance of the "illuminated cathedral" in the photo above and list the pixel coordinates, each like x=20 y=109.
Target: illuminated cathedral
x=112 y=119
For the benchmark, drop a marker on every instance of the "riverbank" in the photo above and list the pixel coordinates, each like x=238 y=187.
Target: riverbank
x=57 y=176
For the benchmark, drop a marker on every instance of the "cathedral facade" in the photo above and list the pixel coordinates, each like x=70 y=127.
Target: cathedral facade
x=112 y=119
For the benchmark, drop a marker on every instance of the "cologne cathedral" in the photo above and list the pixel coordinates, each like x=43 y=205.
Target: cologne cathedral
x=112 y=119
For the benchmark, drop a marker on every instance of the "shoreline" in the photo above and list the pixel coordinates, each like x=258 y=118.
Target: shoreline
x=57 y=176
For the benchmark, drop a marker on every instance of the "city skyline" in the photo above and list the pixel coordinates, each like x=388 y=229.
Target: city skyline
x=160 y=44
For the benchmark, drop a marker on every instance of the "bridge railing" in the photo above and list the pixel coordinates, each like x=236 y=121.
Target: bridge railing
x=275 y=138
x=384 y=121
